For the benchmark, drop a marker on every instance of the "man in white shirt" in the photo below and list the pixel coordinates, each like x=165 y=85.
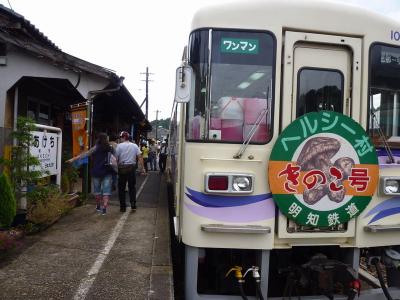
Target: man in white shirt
x=126 y=154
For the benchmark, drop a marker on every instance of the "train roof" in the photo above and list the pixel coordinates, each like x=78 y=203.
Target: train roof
x=306 y=15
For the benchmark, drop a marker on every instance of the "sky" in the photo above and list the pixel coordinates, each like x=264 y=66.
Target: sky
x=128 y=36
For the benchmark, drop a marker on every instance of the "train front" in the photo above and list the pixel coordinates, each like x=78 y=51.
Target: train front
x=280 y=178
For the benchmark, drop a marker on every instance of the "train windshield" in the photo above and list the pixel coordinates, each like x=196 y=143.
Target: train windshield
x=384 y=93
x=233 y=86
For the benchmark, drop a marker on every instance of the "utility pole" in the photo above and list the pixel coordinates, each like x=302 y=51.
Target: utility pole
x=157 y=111
x=146 y=99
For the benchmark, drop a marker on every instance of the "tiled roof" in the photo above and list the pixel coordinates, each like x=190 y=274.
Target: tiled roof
x=18 y=31
x=18 y=22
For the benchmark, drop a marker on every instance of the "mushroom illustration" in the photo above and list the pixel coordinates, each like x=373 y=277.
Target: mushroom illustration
x=337 y=196
x=316 y=155
x=312 y=196
x=344 y=164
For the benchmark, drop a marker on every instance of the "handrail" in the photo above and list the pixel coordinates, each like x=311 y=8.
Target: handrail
x=222 y=228
x=381 y=228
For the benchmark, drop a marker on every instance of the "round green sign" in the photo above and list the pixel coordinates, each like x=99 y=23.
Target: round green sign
x=323 y=169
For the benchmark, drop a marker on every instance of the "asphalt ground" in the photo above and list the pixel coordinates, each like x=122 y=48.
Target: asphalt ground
x=86 y=255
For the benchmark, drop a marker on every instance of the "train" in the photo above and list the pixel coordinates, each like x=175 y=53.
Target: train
x=284 y=152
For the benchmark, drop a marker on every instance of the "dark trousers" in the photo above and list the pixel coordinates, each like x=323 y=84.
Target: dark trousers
x=162 y=162
x=122 y=180
x=145 y=161
x=153 y=161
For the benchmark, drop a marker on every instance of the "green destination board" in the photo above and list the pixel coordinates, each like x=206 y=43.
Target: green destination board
x=239 y=46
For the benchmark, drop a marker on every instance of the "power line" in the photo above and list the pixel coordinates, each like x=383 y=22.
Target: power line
x=9 y=4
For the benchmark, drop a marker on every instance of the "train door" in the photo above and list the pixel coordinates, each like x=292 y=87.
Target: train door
x=320 y=72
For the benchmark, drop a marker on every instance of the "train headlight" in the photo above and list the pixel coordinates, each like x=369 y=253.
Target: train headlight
x=241 y=183
x=390 y=185
x=226 y=183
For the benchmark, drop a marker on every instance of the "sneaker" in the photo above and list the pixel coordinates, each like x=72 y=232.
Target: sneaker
x=98 y=208
x=133 y=208
x=104 y=211
x=122 y=209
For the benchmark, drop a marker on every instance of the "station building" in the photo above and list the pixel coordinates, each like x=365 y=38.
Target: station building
x=39 y=80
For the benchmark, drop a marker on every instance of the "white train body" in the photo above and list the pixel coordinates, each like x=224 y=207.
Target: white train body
x=352 y=55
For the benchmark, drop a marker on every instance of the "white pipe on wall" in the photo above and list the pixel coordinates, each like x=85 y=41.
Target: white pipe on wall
x=15 y=113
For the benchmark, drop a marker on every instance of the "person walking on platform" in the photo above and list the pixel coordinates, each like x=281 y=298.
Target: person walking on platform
x=153 y=155
x=113 y=143
x=163 y=156
x=145 y=155
x=127 y=153
x=101 y=173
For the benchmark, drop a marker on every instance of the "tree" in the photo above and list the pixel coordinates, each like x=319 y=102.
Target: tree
x=23 y=167
x=164 y=123
x=8 y=204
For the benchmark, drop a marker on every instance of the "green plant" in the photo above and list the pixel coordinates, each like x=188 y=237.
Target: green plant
x=46 y=205
x=42 y=194
x=65 y=186
x=8 y=204
x=72 y=176
x=22 y=166
x=68 y=178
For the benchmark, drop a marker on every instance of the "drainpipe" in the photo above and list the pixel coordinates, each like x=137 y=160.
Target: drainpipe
x=89 y=125
x=15 y=113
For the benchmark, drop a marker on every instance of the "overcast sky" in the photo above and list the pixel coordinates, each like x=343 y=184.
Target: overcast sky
x=127 y=36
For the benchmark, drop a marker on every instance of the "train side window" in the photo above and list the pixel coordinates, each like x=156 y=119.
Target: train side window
x=384 y=92
x=196 y=109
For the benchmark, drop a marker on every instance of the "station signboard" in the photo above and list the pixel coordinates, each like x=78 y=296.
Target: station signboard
x=45 y=149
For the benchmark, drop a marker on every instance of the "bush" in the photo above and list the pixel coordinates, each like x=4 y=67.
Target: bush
x=68 y=179
x=65 y=186
x=9 y=240
x=8 y=204
x=46 y=205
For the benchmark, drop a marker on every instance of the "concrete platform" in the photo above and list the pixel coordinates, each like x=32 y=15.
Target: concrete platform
x=89 y=256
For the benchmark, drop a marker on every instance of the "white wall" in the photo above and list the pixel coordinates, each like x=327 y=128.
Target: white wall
x=21 y=64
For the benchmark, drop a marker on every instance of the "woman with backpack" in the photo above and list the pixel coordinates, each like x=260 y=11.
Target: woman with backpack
x=101 y=170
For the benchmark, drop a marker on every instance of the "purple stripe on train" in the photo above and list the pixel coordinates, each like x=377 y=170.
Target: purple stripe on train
x=232 y=209
x=385 y=209
x=209 y=200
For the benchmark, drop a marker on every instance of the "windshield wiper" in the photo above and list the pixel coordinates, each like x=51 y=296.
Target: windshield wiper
x=251 y=133
x=254 y=128
x=382 y=136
